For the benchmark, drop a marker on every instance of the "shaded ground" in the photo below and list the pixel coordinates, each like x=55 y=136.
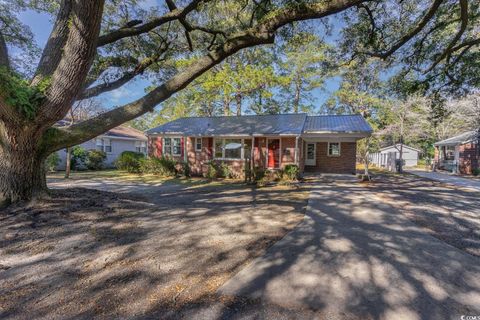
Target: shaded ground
x=160 y=249
x=357 y=255
x=148 y=252
x=446 y=212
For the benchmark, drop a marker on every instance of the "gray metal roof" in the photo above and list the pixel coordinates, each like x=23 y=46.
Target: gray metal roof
x=234 y=125
x=278 y=124
x=336 y=123
x=460 y=139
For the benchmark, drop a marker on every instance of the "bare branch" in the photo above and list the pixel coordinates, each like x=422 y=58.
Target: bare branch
x=148 y=26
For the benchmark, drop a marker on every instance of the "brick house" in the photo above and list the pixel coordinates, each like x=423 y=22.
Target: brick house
x=314 y=143
x=460 y=153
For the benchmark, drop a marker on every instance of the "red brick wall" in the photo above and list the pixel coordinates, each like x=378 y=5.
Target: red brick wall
x=259 y=152
x=345 y=163
x=155 y=146
x=198 y=160
x=468 y=158
x=288 y=151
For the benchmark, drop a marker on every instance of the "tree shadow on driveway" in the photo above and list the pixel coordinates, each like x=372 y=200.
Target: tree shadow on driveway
x=357 y=255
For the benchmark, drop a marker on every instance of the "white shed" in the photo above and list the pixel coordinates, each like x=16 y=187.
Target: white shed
x=410 y=155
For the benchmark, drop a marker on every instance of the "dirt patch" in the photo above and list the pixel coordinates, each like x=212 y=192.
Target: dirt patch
x=449 y=213
x=95 y=254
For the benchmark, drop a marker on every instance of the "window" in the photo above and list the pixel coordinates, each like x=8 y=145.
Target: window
x=334 y=149
x=233 y=148
x=198 y=144
x=230 y=148
x=107 y=145
x=141 y=146
x=99 y=144
x=177 y=149
x=104 y=144
x=167 y=145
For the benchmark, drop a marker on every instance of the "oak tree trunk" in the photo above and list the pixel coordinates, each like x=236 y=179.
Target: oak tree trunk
x=22 y=172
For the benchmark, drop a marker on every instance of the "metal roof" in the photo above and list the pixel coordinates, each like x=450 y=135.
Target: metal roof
x=234 y=125
x=460 y=139
x=336 y=123
x=248 y=125
x=397 y=146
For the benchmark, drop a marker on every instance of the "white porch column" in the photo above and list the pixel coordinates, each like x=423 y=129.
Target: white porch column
x=296 y=150
x=252 y=154
x=185 y=149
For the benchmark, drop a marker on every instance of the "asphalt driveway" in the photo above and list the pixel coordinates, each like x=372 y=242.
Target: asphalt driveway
x=357 y=255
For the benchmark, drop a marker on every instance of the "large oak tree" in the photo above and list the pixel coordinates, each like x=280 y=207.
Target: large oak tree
x=98 y=46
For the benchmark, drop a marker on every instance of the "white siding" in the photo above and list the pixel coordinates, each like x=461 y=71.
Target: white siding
x=118 y=146
x=409 y=155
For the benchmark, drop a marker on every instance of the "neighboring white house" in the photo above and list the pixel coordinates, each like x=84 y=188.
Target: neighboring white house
x=387 y=154
x=113 y=143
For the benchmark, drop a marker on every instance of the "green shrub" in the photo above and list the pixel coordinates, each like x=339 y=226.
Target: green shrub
x=78 y=157
x=52 y=162
x=258 y=173
x=185 y=169
x=476 y=171
x=212 y=171
x=224 y=171
x=159 y=166
x=129 y=161
x=270 y=176
x=95 y=159
x=290 y=172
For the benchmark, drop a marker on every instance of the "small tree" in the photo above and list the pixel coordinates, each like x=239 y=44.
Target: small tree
x=410 y=120
x=364 y=148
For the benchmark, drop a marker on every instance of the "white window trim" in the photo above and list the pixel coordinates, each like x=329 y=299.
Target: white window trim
x=196 y=144
x=339 y=150
x=242 y=149
x=103 y=146
x=179 y=145
x=171 y=146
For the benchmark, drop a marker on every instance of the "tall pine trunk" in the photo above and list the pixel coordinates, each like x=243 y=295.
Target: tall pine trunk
x=22 y=167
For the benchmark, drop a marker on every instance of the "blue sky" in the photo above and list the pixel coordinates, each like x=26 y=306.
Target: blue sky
x=41 y=25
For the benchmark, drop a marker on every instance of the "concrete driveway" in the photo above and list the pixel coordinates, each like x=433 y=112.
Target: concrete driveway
x=447 y=178
x=355 y=256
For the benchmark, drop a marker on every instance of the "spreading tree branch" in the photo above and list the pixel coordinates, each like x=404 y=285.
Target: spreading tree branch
x=263 y=33
x=126 y=32
x=409 y=35
x=458 y=35
x=109 y=86
x=105 y=63
x=4 y=60
x=77 y=56
x=52 y=53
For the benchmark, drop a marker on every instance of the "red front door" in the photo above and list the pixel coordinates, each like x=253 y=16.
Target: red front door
x=274 y=153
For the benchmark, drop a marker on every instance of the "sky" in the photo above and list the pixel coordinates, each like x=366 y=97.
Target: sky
x=41 y=26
